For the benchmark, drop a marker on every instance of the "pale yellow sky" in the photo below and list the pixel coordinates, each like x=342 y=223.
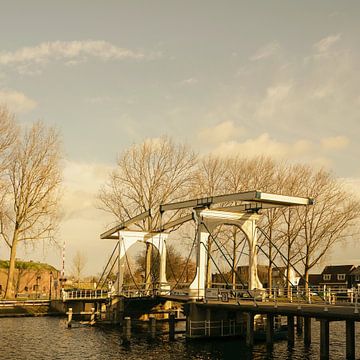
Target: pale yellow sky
x=278 y=77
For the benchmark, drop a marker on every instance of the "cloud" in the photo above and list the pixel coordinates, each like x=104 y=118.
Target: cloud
x=72 y=52
x=274 y=99
x=82 y=182
x=326 y=43
x=219 y=133
x=189 y=81
x=264 y=144
x=16 y=101
x=335 y=142
x=265 y=51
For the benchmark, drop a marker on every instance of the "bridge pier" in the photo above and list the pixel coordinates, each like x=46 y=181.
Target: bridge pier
x=307 y=331
x=250 y=329
x=172 y=326
x=324 y=339
x=269 y=330
x=299 y=324
x=350 y=339
x=291 y=330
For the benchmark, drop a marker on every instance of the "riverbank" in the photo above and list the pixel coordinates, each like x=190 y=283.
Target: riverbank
x=27 y=309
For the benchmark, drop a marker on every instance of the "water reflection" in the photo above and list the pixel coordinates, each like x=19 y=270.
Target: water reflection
x=49 y=338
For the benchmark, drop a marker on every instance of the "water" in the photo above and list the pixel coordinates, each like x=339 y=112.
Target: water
x=49 y=338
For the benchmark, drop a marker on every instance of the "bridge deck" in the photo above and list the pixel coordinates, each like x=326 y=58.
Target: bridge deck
x=330 y=312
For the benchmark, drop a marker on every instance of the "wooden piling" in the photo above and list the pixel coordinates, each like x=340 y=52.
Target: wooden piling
x=127 y=327
x=92 y=316
x=70 y=315
x=350 y=339
x=152 y=323
x=291 y=330
x=269 y=330
x=299 y=324
x=307 y=331
x=171 y=326
x=250 y=329
x=324 y=339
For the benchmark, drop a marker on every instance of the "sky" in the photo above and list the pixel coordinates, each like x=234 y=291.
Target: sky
x=279 y=78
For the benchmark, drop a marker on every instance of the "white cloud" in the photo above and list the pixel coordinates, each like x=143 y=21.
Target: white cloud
x=72 y=52
x=265 y=145
x=16 y=101
x=82 y=182
x=189 y=81
x=326 y=43
x=334 y=142
x=219 y=133
x=265 y=51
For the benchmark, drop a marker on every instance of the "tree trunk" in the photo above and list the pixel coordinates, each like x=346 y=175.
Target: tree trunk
x=10 y=289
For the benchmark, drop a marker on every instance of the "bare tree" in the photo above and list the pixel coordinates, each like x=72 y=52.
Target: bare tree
x=244 y=174
x=147 y=175
x=33 y=178
x=78 y=265
x=327 y=222
x=8 y=133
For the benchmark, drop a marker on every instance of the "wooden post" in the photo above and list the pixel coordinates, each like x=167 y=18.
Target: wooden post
x=92 y=316
x=152 y=323
x=250 y=329
x=350 y=339
x=324 y=339
x=291 y=330
x=299 y=324
x=172 y=326
x=127 y=327
x=70 y=315
x=307 y=331
x=269 y=330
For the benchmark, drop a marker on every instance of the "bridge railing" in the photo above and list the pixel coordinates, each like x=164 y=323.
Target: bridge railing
x=84 y=294
x=319 y=295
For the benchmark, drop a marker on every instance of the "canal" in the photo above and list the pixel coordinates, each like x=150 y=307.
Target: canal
x=49 y=338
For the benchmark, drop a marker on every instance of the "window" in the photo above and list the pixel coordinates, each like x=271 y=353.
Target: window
x=357 y=278
x=327 y=276
x=26 y=288
x=341 y=277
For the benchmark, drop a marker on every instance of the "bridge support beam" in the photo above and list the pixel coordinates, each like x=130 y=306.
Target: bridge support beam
x=350 y=339
x=307 y=331
x=249 y=329
x=324 y=339
x=207 y=221
x=159 y=242
x=291 y=330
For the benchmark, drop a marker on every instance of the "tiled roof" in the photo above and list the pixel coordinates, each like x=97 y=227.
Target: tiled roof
x=355 y=271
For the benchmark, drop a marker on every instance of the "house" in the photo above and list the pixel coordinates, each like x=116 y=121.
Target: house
x=337 y=276
x=32 y=279
x=355 y=278
x=313 y=280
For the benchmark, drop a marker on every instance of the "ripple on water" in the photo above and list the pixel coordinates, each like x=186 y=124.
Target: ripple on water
x=49 y=338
